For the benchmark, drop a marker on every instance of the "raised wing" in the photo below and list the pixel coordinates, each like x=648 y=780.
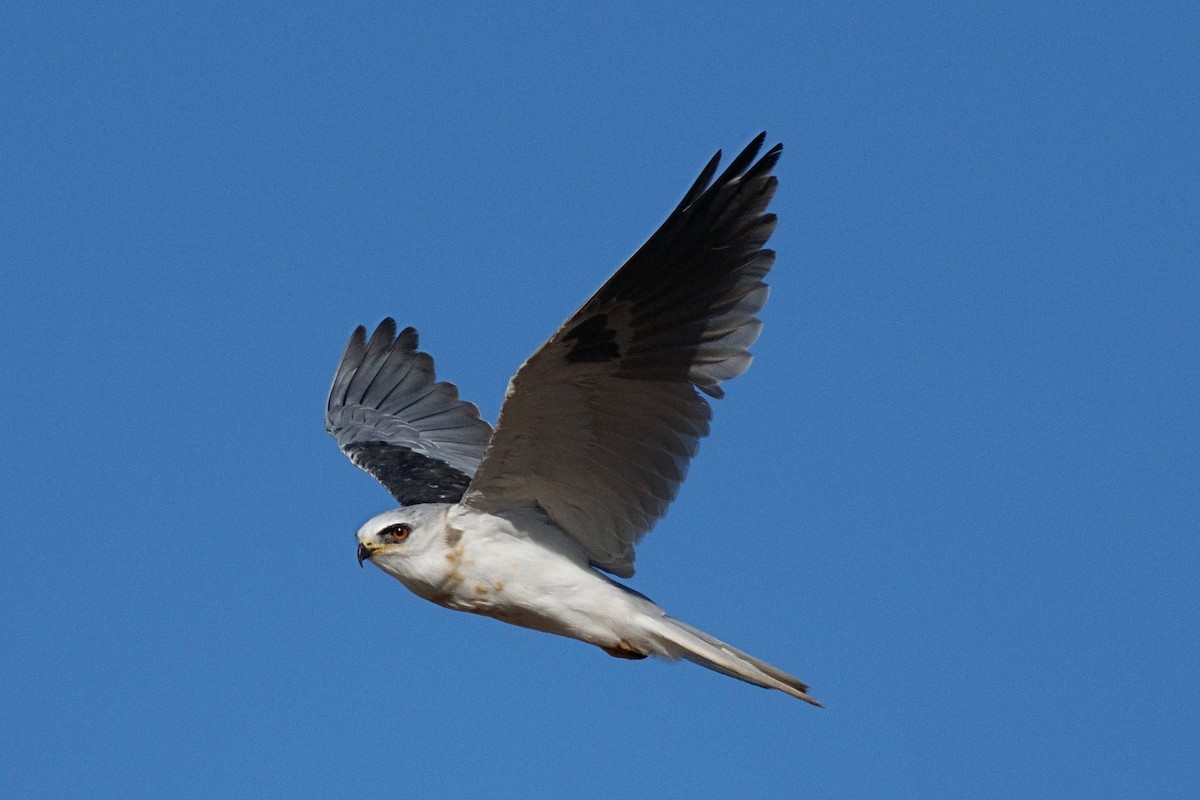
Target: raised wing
x=598 y=427
x=393 y=420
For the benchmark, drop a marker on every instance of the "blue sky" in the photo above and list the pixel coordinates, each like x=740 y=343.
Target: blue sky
x=956 y=493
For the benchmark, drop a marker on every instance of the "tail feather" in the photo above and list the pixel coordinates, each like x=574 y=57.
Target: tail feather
x=694 y=645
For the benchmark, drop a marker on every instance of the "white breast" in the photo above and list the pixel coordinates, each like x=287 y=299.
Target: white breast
x=525 y=572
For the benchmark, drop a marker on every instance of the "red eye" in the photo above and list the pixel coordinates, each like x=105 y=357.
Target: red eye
x=397 y=533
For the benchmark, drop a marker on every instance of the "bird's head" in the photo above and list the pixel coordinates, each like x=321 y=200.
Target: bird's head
x=395 y=537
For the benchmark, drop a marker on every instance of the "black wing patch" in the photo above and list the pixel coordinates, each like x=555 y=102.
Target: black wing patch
x=425 y=480
x=593 y=341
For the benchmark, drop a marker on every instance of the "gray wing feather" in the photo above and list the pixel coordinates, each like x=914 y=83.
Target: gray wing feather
x=393 y=419
x=600 y=424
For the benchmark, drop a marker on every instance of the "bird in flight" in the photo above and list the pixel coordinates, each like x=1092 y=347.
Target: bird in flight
x=593 y=441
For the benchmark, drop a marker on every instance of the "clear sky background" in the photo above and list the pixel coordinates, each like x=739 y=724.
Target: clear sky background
x=957 y=491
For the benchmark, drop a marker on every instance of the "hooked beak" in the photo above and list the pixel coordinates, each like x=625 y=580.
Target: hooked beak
x=364 y=553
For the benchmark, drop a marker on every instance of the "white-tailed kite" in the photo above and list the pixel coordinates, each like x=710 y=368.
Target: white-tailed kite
x=593 y=441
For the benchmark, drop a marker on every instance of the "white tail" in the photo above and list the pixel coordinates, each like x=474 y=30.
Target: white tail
x=681 y=640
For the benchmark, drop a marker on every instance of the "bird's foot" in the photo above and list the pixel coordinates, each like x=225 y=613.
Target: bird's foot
x=624 y=650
